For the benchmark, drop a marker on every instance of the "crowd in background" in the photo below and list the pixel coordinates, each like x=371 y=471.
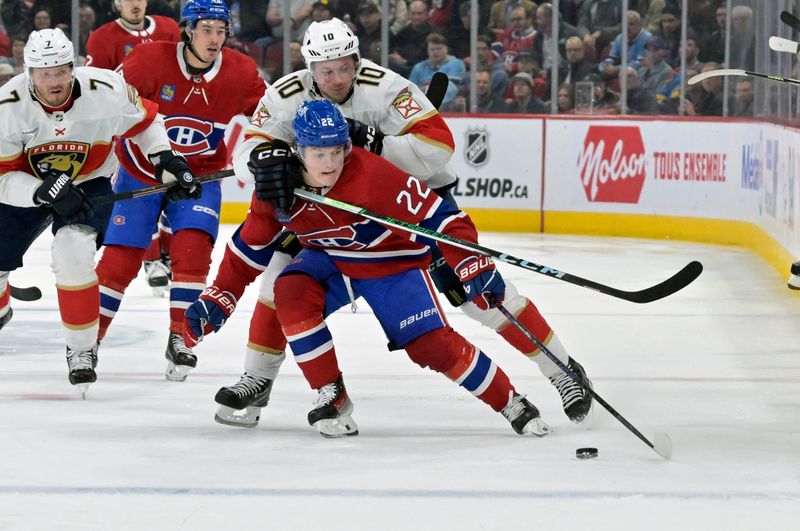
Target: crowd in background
x=515 y=47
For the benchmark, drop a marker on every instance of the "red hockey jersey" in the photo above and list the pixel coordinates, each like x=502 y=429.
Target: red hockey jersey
x=196 y=109
x=109 y=44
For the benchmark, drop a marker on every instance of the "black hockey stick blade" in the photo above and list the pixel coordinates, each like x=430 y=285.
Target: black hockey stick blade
x=661 y=444
x=111 y=198
x=29 y=294
x=790 y=20
x=676 y=282
x=437 y=88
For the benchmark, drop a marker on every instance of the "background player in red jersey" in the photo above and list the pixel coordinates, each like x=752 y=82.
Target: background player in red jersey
x=107 y=46
x=353 y=257
x=199 y=87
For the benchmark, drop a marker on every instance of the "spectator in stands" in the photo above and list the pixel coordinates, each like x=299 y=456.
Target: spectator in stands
x=252 y=20
x=439 y=61
x=637 y=41
x=299 y=20
x=655 y=72
x=321 y=12
x=489 y=101
x=524 y=101
x=566 y=98
x=487 y=59
x=500 y=15
x=708 y=102
x=517 y=38
x=527 y=63
x=701 y=16
x=6 y=73
x=408 y=46
x=543 y=41
x=671 y=34
x=604 y=100
x=42 y=19
x=641 y=100
x=86 y=20
x=692 y=51
x=369 y=26
x=458 y=34
x=441 y=14
x=600 y=21
x=17 y=16
x=743 y=39
x=713 y=48
x=296 y=61
x=17 y=59
x=743 y=98
x=650 y=11
x=576 y=68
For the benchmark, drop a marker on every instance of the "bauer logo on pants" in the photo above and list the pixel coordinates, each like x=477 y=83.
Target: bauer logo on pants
x=612 y=164
x=477 y=150
x=58 y=157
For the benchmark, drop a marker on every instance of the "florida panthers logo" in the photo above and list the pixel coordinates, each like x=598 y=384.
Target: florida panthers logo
x=192 y=136
x=355 y=237
x=58 y=157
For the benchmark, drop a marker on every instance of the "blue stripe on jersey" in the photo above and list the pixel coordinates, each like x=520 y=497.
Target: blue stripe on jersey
x=311 y=342
x=367 y=259
x=478 y=374
x=109 y=302
x=437 y=221
x=259 y=256
x=184 y=294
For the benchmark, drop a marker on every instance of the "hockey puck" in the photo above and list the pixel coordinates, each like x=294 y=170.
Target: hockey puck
x=586 y=453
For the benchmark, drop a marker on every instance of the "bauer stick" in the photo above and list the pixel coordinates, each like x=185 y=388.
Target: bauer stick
x=676 y=282
x=131 y=194
x=662 y=444
x=738 y=72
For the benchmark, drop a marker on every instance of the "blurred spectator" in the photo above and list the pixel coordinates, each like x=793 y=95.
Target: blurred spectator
x=524 y=101
x=488 y=60
x=439 y=61
x=6 y=73
x=5 y=45
x=42 y=19
x=441 y=14
x=17 y=59
x=345 y=10
x=17 y=16
x=713 y=48
x=708 y=101
x=86 y=20
x=655 y=72
x=692 y=51
x=641 y=100
x=743 y=98
x=253 y=20
x=701 y=16
x=566 y=98
x=576 y=68
x=369 y=26
x=604 y=100
x=500 y=15
x=489 y=101
x=671 y=34
x=300 y=17
x=650 y=11
x=743 y=39
x=458 y=33
x=296 y=61
x=408 y=46
x=518 y=38
x=398 y=14
x=600 y=21
x=104 y=11
x=320 y=12
x=543 y=41
x=527 y=63
x=637 y=42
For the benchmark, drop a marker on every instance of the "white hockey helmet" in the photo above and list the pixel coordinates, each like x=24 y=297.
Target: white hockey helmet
x=329 y=39
x=48 y=47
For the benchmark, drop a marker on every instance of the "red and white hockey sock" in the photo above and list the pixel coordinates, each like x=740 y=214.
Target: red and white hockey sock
x=80 y=311
x=118 y=266
x=531 y=319
x=191 y=260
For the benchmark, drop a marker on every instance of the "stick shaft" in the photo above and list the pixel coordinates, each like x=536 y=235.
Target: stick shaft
x=131 y=194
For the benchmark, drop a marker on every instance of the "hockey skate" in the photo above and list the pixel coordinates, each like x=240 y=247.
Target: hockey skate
x=6 y=318
x=158 y=274
x=332 y=410
x=524 y=417
x=180 y=358
x=794 y=278
x=576 y=401
x=81 y=365
x=241 y=403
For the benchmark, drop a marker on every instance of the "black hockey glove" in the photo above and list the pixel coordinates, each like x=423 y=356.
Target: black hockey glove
x=365 y=136
x=66 y=199
x=172 y=166
x=277 y=173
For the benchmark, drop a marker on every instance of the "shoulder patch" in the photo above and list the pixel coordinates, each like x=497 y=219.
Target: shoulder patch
x=405 y=104
x=261 y=116
x=133 y=94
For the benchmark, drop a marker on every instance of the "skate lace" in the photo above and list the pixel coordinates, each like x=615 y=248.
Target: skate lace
x=249 y=384
x=515 y=408
x=325 y=395
x=569 y=390
x=177 y=344
x=79 y=359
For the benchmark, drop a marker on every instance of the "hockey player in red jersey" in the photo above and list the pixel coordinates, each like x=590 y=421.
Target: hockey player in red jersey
x=57 y=125
x=109 y=44
x=353 y=257
x=390 y=117
x=200 y=87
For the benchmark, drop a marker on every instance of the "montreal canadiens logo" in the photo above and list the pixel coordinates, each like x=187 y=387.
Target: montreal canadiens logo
x=192 y=136
x=612 y=164
x=477 y=151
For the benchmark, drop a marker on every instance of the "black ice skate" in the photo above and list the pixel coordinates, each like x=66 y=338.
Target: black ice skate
x=158 y=274
x=180 y=358
x=794 y=278
x=576 y=401
x=524 y=417
x=241 y=403
x=6 y=318
x=332 y=409
x=81 y=364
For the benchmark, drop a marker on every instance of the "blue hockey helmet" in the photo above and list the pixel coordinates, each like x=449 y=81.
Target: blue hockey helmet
x=319 y=123
x=195 y=10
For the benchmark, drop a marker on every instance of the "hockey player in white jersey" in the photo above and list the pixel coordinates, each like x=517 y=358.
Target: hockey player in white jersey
x=391 y=117
x=57 y=124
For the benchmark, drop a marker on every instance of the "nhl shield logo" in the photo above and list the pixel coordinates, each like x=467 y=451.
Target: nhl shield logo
x=477 y=151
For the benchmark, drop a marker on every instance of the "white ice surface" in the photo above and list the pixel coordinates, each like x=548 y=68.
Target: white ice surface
x=716 y=366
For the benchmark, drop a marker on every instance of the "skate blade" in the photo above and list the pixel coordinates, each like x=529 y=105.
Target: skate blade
x=241 y=418
x=588 y=421
x=177 y=373
x=342 y=426
x=537 y=427
x=83 y=388
x=794 y=283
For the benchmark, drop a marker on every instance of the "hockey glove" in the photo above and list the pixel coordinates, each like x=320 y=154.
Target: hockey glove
x=207 y=314
x=365 y=136
x=66 y=199
x=479 y=276
x=277 y=173
x=171 y=166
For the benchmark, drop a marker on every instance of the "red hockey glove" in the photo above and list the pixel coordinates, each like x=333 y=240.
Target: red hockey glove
x=479 y=276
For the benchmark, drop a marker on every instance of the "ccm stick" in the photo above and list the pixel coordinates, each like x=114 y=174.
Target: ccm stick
x=676 y=282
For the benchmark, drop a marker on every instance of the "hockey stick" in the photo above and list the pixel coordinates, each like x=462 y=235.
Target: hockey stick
x=676 y=282
x=662 y=444
x=131 y=194
x=779 y=44
x=29 y=294
x=437 y=89
x=737 y=72
x=790 y=20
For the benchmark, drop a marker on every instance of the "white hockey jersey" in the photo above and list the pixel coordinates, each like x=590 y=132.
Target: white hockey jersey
x=78 y=141
x=417 y=139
